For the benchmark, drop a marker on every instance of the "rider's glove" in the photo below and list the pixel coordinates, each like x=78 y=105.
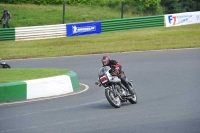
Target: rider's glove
x=98 y=83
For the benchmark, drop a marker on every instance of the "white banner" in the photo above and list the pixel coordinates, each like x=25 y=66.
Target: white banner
x=182 y=19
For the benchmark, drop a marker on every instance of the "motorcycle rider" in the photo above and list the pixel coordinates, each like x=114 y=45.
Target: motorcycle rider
x=117 y=67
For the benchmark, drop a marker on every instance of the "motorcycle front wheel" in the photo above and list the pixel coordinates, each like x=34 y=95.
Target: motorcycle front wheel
x=112 y=99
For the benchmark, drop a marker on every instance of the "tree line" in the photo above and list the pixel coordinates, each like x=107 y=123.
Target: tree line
x=133 y=6
x=175 y=6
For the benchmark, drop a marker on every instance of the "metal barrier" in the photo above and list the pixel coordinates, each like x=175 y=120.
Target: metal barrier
x=60 y=30
x=7 y=34
x=132 y=23
x=40 y=32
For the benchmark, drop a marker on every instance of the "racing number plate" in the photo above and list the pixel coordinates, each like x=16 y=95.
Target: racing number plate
x=103 y=79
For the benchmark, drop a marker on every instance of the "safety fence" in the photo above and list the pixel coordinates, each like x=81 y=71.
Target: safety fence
x=77 y=29
x=40 y=32
x=132 y=23
x=7 y=34
x=97 y=27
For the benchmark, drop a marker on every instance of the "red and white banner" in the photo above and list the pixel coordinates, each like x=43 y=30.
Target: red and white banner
x=182 y=19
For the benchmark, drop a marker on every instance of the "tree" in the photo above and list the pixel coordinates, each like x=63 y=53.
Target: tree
x=191 y=5
x=171 y=6
x=176 y=6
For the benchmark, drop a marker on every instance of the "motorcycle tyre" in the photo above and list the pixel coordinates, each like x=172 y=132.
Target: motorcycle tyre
x=107 y=93
x=6 y=66
x=133 y=100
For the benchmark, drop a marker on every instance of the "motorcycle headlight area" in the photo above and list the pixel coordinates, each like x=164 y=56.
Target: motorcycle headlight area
x=103 y=79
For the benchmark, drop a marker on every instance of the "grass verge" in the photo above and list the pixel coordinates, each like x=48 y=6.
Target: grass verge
x=131 y=40
x=16 y=74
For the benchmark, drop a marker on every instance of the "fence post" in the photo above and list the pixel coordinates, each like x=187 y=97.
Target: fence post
x=122 y=10
x=63 y=13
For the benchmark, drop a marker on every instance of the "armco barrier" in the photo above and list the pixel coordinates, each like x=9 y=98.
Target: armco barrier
x=132 y=23
x=40 y=32
x=7 y=34
x=39 y=88
x=60 y=30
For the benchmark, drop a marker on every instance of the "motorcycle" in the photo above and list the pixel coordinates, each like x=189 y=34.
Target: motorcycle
x=4 y=64
x=115 y=92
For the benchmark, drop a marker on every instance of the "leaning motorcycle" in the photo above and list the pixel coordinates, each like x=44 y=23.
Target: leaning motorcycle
x=4 y=64
x=116 y=93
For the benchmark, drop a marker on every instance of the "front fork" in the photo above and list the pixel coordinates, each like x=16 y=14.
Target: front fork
x=115 y=92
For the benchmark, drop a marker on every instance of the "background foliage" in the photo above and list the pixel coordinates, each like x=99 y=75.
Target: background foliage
x=176 y=6
x=46 y=12
x=134 y=6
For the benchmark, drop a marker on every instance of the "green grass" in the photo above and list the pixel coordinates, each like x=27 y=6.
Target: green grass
x=131 y=40
x=34 y=15
x=19 y=74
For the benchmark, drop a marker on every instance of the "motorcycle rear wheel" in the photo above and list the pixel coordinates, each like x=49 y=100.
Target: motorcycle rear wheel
x=114 y=101
x=133 y=100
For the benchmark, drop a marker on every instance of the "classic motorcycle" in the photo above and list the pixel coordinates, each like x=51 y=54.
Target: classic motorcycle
x=4 y=64
x=116 y=93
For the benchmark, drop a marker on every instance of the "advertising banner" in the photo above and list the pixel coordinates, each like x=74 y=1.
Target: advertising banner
x=182 y=19
x=84 y=28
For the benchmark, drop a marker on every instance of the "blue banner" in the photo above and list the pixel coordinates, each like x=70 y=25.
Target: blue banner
x=84 y=28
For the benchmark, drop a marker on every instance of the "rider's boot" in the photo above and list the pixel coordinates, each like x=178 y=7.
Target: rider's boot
x=7 y=25
x=126 y=84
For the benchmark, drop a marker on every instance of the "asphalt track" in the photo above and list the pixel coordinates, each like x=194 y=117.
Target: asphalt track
x=167 y=84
